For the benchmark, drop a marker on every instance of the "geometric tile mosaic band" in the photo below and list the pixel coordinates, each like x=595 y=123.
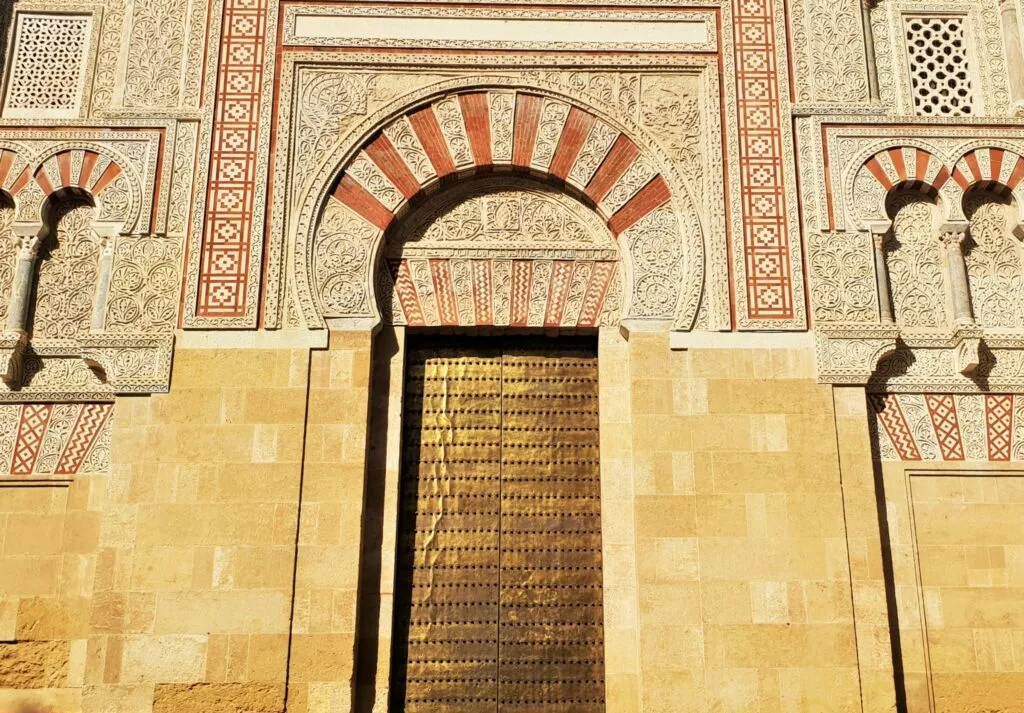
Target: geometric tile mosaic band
x=55 y=439
x=765 y=234
x=227 y=234
x=949 y=427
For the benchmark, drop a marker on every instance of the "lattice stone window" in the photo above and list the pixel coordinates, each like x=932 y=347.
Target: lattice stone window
x=940 y=76
x=48 y=66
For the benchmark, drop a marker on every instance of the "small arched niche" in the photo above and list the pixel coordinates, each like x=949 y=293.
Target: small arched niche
x=914 y=259
x=992 y=255
x=503 y=251
x=67 y=269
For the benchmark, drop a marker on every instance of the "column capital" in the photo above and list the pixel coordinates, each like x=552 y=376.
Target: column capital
x=952 y=238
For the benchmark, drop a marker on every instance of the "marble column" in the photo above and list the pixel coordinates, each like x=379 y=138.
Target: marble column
x=882 y=280
x=1014 y=54
x=24 y=274
x=953 y=241
x=869 y=49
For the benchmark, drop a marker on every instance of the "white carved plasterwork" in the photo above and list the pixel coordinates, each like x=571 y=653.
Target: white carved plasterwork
x=916 y=268
x=828 y=55
x=985 y=51
x=691 y=144
x=8 y=254
x=144 y=285
x=842 y=277
x=993 y=258
x=67 y=276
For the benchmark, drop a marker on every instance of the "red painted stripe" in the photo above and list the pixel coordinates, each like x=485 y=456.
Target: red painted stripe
x=923 y=160
x=940 y=180
x=597 y=289
x=444 y=291
x=527 y=122
x=483 y=293
x=879 y=173
x=961 y=179
x=383 y=153
x=996 y=162
x=972 y=163
x=577 y=128
x=6 y=161
x=88 y=164
x=654 y=195
x=112 y=171
x=522 y=280
x=44 y=181
x=362 y=202
x=1016 y=175
x=64 y=168
x=407 y=295
x=561 y=275
x=428 y=131
x=477 y=117
x=896 y=156
x=616 y=163
x=21 y=181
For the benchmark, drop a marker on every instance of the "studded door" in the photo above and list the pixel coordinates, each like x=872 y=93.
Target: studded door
x=498 y=601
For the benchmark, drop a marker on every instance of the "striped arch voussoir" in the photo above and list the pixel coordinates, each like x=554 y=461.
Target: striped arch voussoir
x=15 y=173
x=909 y=167
x=501 y=129
x=77 y=168
x=991 y=168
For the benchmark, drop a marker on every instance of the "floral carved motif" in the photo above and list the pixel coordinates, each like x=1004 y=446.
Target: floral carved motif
x=145 y=279
x=842 y=277
x=993 y=260
x=67 y=274
x=915 y=266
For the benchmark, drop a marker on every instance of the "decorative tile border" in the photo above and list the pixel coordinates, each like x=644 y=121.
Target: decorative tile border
x=768 y=285
x=55 y=439
x=949 y=427
x=227 y=269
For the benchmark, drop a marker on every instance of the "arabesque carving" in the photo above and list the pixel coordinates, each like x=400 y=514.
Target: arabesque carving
x=659 y=228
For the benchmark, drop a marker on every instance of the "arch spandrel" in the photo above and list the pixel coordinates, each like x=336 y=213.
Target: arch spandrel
x=462 y=136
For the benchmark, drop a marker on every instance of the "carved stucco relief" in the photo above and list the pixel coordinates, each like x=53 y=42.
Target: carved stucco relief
x=672 y=109
x=842 y=277
x=993 y=257
x=915 y=265
x=828 y=51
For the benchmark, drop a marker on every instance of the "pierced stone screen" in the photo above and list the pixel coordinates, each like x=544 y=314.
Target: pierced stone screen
x=47 y=77
x=940 y=78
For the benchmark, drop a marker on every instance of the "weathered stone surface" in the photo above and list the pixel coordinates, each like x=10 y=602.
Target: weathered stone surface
x=34 y=664
x=218 y=698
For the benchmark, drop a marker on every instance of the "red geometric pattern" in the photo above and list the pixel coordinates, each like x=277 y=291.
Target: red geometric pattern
x=597 y=290
x=891 y=416
x=561 y=273
x=406 y=291
x=441 y=273
x=999 y=425
x=227 y=234
x=34 y=418
x=942 y=410
x=765 y=234
x=83 y=436
x=522 y=277
x=87 y=176
x=483 y=305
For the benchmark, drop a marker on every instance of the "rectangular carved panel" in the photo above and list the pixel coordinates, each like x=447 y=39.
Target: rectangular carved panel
x=499 y=588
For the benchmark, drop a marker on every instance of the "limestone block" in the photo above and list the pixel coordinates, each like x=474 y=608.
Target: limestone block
x=34 y=664
x=237 y=611
x=218 y=698
x=164 y=659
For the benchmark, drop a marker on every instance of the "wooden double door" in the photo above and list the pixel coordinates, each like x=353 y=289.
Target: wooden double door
x=498 y=599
